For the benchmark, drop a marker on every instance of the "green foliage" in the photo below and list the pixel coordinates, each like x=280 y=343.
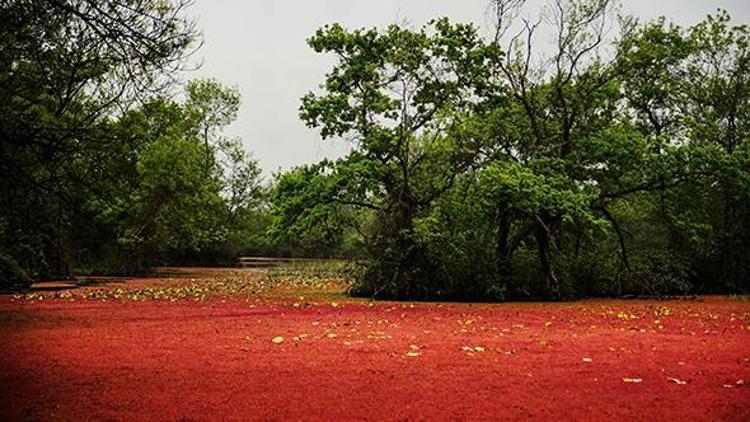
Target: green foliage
x=404 y=97
x=178 y=203
x=487 y=176
x=478 y=169
x=193 y=191
x=309 y=216
x=65 y=69
x=12 y=276
x=299 y=220
x=100 y=170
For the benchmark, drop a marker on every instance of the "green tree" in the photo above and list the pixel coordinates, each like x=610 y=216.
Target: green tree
x=559 y=153
x=188 y=197
x=689 y=87
x=65 y=67
x=564 y=150
x=402 y=97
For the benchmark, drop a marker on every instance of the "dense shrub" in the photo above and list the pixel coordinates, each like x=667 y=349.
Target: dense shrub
x=12 y=276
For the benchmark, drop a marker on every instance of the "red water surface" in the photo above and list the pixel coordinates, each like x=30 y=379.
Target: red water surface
x=215 y=360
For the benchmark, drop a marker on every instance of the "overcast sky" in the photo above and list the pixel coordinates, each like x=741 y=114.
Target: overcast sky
x=259 y=46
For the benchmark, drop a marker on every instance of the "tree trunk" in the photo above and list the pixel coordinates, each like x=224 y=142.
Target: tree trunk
x=543 y=244
x=725 y=242
x=503 y=253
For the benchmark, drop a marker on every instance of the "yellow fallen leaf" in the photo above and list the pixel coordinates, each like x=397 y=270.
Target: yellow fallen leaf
x=378 y=335
x=631 y=380
x=663 y=311
x=413 y=354
x=277 y=340
x=587 y=360
x=677 y=381
x=478 y=349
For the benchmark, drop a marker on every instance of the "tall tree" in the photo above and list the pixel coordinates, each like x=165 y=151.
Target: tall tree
x=65 y=65
x=689 y=87
x=402 y=98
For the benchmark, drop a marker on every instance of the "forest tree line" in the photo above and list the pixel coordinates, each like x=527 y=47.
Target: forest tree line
x=578 y=153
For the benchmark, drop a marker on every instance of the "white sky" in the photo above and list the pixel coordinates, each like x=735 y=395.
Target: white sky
x=259 y=46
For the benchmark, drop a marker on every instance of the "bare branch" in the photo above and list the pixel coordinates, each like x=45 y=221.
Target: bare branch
x=503 y=13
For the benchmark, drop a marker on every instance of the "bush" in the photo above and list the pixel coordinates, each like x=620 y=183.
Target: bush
x=658 y=273
x=12 y=276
